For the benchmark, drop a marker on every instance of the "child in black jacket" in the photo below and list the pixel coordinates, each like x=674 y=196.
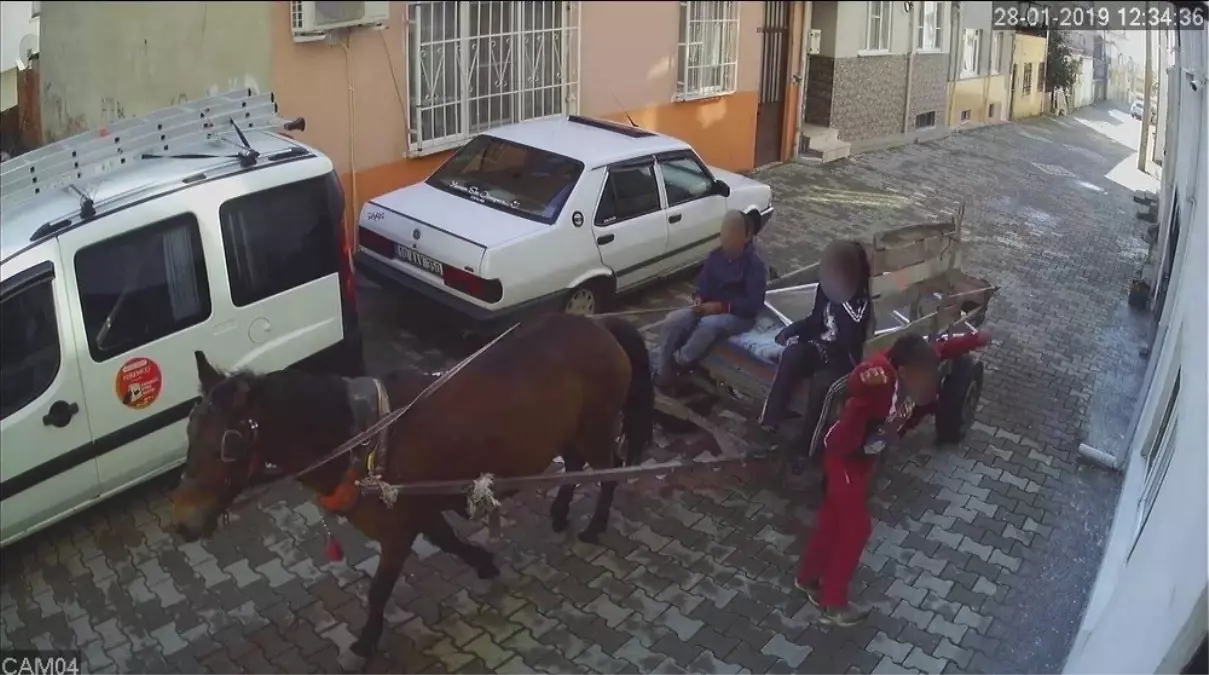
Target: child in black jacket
x=831 y=338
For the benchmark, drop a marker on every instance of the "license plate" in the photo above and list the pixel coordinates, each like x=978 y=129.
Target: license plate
x=417 y=259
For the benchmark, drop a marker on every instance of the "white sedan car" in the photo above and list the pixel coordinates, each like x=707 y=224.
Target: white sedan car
x=562 y=214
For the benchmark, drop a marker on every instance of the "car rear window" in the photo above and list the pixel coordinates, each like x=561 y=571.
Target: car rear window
x=510 y=177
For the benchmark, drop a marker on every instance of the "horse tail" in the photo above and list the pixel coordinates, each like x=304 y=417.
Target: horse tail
x=639 y=419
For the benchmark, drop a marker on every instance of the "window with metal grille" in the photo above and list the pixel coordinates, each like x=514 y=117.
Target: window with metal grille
x=965 y=115
x=1158 y=454
x=996 y=52
x=1026 y=87
x=708 y=55
x=478 y=65
x=925 y=120
x=971 y=46
x=929 y=34
x=877 y=27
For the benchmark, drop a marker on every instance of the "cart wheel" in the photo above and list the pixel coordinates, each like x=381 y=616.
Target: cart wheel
x=959 y=395
x=977 y=320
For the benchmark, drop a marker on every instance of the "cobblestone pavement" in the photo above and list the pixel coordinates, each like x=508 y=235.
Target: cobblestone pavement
x=980 y=560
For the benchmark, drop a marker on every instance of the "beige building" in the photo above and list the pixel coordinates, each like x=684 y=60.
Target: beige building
x=389 y=104
x=978 y=70
x=1027 y=83
x=880 y=75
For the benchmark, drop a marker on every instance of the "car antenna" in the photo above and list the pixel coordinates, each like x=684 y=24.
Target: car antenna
x=627 y=112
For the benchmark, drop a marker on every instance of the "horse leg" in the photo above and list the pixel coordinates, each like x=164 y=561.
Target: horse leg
x=560 y=510
x=602 y=447
x=390 y=565
x=442 y=535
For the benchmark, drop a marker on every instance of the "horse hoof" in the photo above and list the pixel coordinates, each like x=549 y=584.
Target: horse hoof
x=560 y=525
x=488 y=571
x=351 y=662
x=590 y=536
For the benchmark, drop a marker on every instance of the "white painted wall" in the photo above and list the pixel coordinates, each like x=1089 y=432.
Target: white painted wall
x=16 y=21
x=1147 y=611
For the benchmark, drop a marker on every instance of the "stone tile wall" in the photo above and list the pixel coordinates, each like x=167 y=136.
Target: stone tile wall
x=929 y=87
x=868 y=94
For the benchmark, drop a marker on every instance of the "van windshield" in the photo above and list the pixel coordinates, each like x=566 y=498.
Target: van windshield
x=521 y=180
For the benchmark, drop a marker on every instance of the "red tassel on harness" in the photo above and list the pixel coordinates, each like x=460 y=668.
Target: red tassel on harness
x=334 y=551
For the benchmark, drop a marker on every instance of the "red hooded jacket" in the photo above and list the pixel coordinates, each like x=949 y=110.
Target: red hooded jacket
x=871 y=398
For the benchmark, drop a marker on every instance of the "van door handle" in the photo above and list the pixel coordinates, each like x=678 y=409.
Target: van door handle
x=604 y=239
x=60 y=414
x=674 y=218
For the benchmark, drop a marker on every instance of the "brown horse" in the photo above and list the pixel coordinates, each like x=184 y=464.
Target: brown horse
x=557 y=385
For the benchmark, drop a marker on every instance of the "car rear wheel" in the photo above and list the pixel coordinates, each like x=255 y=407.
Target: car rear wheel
x=586 y=299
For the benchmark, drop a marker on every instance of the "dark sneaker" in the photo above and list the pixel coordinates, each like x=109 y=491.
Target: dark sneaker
x=810 y=588
x=845 y=616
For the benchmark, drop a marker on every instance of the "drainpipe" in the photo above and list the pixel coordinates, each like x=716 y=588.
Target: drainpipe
x=954 y=69
x=910 y=66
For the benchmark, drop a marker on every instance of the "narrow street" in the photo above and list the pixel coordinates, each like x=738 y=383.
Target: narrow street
x=981 y=559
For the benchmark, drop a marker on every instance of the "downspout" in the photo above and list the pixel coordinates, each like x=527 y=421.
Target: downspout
x=803 y=77
x=986 y=76
x=954 y=66
x=910 y=66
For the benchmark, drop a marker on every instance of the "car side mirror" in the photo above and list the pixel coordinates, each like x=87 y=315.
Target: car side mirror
x=720 y=188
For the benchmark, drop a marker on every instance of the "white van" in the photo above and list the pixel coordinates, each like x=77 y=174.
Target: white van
x=122 y=251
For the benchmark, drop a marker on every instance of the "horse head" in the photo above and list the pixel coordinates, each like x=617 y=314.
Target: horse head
x=227 y=449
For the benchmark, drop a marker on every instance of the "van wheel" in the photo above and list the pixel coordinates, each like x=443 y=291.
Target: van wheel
x=587 y=299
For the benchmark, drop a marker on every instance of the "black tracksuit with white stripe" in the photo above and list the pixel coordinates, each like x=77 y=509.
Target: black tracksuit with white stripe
x=832 y=337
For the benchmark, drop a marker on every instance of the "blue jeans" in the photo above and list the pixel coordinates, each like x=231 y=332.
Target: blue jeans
x=685 y=337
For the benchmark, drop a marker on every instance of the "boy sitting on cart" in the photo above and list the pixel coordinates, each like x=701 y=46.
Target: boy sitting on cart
x=730 y=293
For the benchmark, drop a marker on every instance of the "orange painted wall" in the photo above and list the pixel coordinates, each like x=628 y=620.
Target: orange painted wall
x=353 y=94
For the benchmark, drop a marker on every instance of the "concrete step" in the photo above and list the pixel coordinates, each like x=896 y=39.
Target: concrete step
x=829 y=151
x=814 y=133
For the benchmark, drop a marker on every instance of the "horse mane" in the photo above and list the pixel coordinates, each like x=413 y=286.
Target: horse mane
x=299 y=397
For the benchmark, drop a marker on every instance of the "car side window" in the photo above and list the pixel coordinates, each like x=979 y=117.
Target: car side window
x=629 y=191
x=29 y=332
x=281 y=238
x=685 y=179
x=143 y=285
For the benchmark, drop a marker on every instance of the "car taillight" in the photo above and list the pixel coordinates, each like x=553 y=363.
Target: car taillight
x=376 y=243
x=487 y=290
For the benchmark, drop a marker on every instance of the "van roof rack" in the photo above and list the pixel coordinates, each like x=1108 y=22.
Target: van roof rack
x=71 y=163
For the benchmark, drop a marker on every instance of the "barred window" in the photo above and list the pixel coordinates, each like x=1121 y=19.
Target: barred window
x=478 y=65
x=708 y=56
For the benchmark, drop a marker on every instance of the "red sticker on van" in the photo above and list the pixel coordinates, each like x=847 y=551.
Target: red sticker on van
x=139 y=383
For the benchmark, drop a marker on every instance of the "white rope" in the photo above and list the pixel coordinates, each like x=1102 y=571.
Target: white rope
x=481 y=499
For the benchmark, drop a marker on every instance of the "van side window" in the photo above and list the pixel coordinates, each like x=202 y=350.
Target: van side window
x=629 y=191
x=30 y=359
x=280 y=238
x=141 y=286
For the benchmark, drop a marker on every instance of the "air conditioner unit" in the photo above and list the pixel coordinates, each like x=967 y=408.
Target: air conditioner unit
x=312 y=19
x=814 y=40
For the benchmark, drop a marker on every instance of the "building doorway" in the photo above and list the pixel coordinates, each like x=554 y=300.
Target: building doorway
x=774 y=75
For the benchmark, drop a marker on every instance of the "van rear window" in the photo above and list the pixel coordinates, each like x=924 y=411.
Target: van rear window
x=281 y=238
x=511 y=177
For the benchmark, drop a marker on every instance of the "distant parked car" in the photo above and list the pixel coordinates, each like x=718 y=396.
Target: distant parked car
x=1137 y=110
x=561 y=214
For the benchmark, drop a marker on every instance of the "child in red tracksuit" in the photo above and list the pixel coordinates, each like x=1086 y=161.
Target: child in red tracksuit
x=888 y=394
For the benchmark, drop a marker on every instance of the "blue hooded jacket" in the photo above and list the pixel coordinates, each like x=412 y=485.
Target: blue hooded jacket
x=737 y=283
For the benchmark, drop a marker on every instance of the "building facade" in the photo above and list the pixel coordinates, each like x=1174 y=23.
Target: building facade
x=1027 y=78
x=978 y=67
x=19 y=35
x=390 y=105
x=1148 y=609
x=880 y=75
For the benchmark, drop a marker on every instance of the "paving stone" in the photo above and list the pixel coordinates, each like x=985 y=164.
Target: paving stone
x=925 y=663
x=951 y=652
x=886 y=646
x=789 y=652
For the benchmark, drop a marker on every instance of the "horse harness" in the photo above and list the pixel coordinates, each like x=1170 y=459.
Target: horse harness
x=369 y=403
